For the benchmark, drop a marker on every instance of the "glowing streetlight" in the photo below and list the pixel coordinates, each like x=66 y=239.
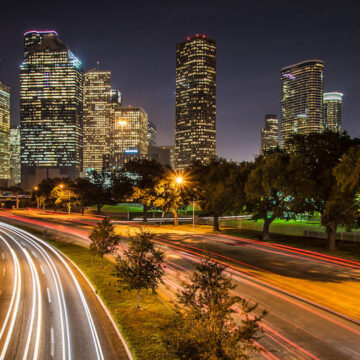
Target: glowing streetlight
x=62 y=186
x=36 y=188
x=179 y=180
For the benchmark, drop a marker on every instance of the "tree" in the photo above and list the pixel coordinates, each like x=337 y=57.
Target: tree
x=44 y=191
x=140 y=267
x=204 y=326
x=103 y=239
x=145 y=174
x=169 y=196
x=314 y=186
x=101 y=190
x=65 y=195
x=84 y=190
x=121 y=186
x=213 y=189
x=16 y=190
x=266 y=190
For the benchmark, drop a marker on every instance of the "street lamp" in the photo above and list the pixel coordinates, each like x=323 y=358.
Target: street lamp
x=180 y=180
x=36 y=188
x=62 y=186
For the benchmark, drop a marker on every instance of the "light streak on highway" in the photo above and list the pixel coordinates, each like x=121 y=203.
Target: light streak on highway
x=320 y=331
x=36 y=308
x=57 y=334
x=14 y=304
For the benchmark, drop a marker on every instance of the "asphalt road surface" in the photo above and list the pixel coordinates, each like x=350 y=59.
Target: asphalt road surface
x=294 y=328
x=47 y=309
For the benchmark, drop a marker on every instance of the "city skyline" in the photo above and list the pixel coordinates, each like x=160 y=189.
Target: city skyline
x=245 y=92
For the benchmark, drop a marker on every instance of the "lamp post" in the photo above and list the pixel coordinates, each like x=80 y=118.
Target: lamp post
x=179 y=180
x=36 y=188
x=69 y=203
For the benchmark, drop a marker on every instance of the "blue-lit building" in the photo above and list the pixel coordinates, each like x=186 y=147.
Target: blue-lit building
x=51 y=91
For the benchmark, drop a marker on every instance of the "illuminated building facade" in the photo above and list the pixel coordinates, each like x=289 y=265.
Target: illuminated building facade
x=270 y=133
x=151 y=133
x=97 y=121
x=131 y=130
x=333 y=111
x=195 y=101
x=4 y=132
x=302 y=88
x=51 y=95
x=15 y=166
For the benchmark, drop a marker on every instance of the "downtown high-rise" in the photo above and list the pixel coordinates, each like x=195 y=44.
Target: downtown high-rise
x=15 y=164
x=333 y=111
x=4 y=133
x=302 y=87
x=51 y=95
x=270 y=133
x=100 y=104
x=195 y=101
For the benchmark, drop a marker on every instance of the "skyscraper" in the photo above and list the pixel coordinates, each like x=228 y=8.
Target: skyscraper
x=129 y=141
x=98 y=124
x=333 y=111
x=195 y=101
x=270 y=133
x=4 y=132
x=51 y=95
x=151 y=133
x=302 y=88
x=131 y=129
x=15 y=167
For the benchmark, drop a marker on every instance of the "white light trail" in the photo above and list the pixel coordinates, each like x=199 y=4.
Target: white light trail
x=37 y=307
x=48 y=294
x=35 y=242
x=59 y=290
x=14 y=303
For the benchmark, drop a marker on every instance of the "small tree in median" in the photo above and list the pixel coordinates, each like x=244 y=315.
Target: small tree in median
x=204 y=326
x=103 y=239
x=141 y=265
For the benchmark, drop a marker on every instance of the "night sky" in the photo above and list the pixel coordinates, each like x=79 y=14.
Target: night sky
x=255 y=39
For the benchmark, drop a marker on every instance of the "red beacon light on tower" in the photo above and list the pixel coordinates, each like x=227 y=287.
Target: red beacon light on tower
x=188 y=38
x=204 y=36
x=197 y=35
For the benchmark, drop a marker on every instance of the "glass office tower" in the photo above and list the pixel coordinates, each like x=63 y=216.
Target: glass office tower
x=302 y=87
x=270 y=133
x=97 y=124
x=51 y=93
x=4 y=133
x=195 y=101
x=333 y=111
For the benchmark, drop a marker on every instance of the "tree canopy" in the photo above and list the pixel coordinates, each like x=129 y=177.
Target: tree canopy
x=204 y=326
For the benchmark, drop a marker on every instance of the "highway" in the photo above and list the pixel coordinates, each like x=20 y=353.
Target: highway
x=295 y=327
x=48 y=310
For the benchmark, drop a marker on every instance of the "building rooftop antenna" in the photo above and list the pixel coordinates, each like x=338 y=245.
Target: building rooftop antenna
x=98 y=65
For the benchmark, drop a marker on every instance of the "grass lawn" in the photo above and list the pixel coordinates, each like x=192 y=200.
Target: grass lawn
x=140 y=327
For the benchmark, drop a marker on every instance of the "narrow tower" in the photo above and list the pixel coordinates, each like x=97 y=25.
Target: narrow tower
x=333 y=111
x=270 y=133
x=302 y=88
x=195 y=101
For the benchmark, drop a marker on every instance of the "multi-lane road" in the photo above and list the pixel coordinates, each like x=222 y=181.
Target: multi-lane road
x=296 y=327
x=47 y=309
